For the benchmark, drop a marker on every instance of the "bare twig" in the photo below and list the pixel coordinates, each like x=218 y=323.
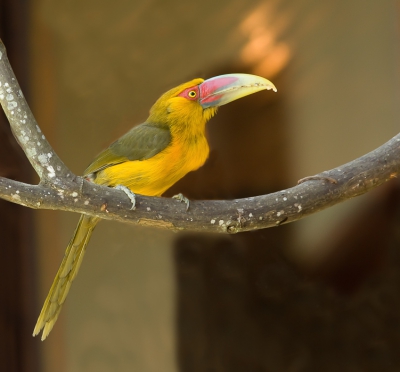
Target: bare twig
x=61 y=189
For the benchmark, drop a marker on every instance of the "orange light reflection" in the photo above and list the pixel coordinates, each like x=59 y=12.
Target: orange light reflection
x=264 y=52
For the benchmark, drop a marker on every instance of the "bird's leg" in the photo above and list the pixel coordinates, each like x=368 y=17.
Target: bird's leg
x=323 y=178
x=129 y=193
x=183 y=199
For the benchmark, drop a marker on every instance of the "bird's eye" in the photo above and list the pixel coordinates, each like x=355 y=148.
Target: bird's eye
x=192 y=94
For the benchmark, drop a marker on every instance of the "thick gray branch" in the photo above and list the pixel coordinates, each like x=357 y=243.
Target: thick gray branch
x=44 y=160
x=353 y=179
x=61 y=189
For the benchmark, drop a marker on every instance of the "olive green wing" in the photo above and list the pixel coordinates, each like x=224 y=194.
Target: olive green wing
x=140 y=143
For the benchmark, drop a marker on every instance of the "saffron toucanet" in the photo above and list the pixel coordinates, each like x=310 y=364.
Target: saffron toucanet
x=149 y=159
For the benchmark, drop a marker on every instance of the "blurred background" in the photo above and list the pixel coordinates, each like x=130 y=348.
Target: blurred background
x=321 y=294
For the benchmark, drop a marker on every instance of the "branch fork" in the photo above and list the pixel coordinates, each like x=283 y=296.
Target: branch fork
x=60 y=189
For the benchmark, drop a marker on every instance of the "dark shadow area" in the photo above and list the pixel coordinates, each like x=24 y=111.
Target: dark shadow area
x=18 y=352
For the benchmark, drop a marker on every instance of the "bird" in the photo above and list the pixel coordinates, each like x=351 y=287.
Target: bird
x=148 y=160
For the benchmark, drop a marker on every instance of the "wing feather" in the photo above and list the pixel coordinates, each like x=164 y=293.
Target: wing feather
x=140 y=143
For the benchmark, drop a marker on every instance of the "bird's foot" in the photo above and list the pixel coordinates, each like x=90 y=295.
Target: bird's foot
x=129 y=193
x=182 y=199
x=312 y=178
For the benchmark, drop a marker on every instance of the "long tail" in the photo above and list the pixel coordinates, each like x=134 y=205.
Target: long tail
x=65 y=275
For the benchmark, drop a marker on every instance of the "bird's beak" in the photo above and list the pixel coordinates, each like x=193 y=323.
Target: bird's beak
x=223 y=89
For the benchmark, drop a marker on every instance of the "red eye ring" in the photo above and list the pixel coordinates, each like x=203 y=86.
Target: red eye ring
x=191 y=93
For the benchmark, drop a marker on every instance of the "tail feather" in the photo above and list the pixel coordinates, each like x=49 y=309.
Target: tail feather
x=65 y=275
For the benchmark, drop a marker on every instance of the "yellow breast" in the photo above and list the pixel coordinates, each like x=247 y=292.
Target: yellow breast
x=152 y=177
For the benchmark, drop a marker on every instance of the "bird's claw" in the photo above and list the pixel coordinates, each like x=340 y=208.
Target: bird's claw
x=311 y=178
x=182 y=199
x=129 y=193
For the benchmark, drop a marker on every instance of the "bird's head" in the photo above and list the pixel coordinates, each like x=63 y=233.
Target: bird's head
x=199 y=99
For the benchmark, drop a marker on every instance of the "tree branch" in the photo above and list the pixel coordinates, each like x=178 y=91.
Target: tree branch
x=44 y=160
x=60 y=189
